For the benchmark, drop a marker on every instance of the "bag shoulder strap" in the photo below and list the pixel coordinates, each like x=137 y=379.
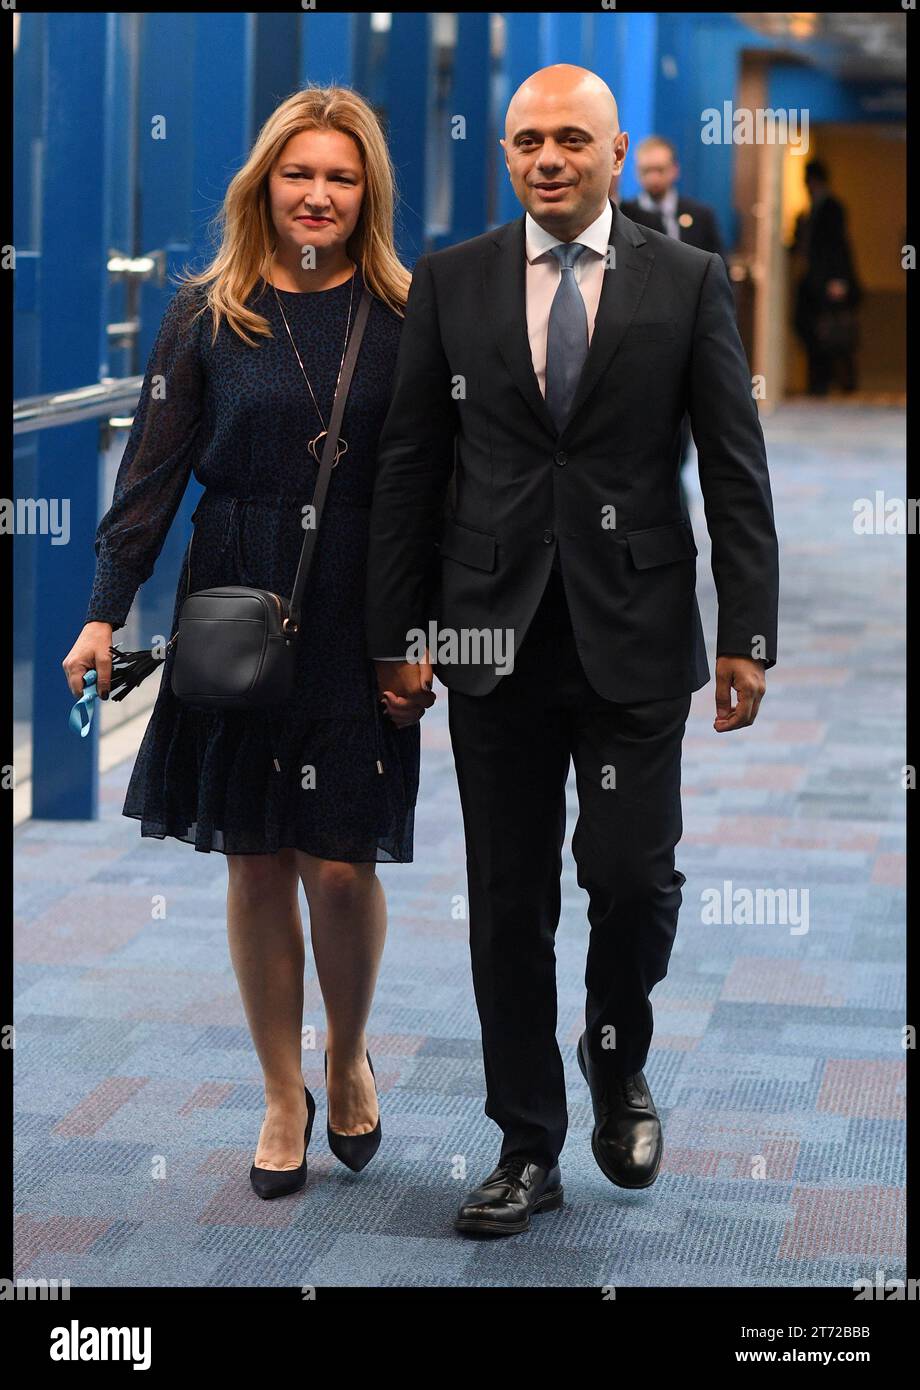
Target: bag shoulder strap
x=329 y=447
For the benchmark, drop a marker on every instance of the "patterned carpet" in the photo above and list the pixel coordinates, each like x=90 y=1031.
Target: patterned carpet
x=777 y=1064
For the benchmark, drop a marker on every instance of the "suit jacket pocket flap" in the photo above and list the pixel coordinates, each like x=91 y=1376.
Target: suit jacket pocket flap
x=660 y=545
x=469 y=547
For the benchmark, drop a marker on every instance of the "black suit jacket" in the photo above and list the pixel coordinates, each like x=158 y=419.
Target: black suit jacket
x=703 y=230
x=822 y=235
x=476 y=488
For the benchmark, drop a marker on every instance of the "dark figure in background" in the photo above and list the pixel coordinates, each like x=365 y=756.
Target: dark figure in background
x=829 y=291
x=662 y=208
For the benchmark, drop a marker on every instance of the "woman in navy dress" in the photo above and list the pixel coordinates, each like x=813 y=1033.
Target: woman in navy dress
x=322 y=788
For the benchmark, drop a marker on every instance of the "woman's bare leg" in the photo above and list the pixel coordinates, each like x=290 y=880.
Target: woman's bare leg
x=265 y=933
x=348 y=924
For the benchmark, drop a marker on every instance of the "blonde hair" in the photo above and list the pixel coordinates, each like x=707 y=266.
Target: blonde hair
x=247 y=232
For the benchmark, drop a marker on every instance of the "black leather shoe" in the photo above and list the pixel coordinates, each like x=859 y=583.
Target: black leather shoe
x=502 y=1205
x=626 y=1140
x=354 y=1150
x=278 y=1182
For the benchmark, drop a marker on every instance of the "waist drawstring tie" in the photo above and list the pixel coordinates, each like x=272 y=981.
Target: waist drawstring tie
x=375 y=713
x=271 y=740
x=375 y=716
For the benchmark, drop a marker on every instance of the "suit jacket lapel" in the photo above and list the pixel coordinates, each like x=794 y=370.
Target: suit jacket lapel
x=504 y=285
x=505 y=302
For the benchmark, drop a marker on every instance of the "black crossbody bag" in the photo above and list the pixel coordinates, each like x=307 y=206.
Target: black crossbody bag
x=235 y=647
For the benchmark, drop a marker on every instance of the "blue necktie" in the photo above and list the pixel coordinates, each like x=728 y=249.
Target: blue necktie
x=567 y=335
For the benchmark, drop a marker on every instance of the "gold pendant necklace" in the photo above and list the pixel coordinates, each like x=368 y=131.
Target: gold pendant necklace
x=341 y=447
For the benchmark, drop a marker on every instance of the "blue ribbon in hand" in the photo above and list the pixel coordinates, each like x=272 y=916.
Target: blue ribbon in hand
x=84 y=706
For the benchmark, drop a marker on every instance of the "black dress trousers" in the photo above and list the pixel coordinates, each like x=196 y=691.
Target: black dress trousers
x=511 y=751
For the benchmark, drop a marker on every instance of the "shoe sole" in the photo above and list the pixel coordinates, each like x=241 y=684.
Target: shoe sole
x=550 y=1201
x=629 y=1186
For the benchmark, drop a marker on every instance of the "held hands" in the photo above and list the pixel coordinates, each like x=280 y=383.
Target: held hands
x=744 y=674
x=90 y=652
x=405 y=686
x=405 y=689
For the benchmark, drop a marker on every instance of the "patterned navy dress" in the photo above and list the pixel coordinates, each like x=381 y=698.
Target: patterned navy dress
x=305 y=773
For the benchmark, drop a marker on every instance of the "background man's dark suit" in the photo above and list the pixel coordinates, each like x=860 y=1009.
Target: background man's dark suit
x=821 y=237
x=702 y=231
x=605 y=668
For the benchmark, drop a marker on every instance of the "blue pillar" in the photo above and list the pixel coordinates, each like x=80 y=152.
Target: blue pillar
x=566 y=38
x=328 y=49
x=470 y=156
x=707 y=170
x=362 y=71
x=409 y=110
x=28 y=111
x=71 y=338
x=198 y=73
x=221 y=110
x=526 y=40
x=632 y=82
x=277 y=63
x=603 y=49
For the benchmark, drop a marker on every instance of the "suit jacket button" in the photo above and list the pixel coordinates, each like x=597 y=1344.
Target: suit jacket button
x=561 y=458
x=547 y=537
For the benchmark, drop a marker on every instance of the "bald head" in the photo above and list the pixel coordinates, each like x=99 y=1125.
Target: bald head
x=559 y=86
x=563 y=145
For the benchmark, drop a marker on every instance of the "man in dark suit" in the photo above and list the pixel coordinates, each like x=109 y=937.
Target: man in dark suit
x=829 y=291
x=543 y=371
x=660 y=205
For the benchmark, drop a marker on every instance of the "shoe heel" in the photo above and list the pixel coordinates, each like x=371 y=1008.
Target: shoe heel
x=311 y=1116
x=550 y=1201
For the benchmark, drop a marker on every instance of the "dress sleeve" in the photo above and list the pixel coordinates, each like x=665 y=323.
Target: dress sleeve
x=155 y=468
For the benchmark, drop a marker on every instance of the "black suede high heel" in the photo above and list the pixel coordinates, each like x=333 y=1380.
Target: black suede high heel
x=354 y=1150
x=278 y=1182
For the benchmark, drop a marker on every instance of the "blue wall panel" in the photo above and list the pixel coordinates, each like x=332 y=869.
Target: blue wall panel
x=71 y=299
x=408 y=104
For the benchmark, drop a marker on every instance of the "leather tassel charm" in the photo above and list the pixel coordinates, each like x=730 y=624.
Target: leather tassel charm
x=128 y=670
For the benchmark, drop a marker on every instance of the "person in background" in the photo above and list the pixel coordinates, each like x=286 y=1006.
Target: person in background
x=662 y=208
x=829 y=291
x=660 y=205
